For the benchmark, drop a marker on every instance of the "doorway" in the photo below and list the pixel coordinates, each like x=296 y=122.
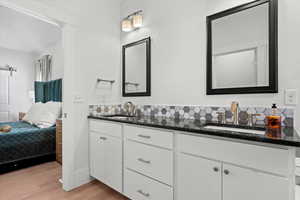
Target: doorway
x=4 y=97
x=69 y=31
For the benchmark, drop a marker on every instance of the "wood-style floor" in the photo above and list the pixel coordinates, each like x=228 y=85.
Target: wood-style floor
x=41 y=183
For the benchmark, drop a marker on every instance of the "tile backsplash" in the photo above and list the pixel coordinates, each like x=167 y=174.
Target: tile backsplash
x=203 y=113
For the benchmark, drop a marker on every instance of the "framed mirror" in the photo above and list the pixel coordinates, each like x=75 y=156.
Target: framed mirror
x=137 y=69
x=242 y=49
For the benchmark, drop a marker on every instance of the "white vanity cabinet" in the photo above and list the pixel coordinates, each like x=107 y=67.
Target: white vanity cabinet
x=217 y=169
x=106 y=153
x=146 y=163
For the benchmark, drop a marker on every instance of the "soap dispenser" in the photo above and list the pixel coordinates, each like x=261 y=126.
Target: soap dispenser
x=274 y=120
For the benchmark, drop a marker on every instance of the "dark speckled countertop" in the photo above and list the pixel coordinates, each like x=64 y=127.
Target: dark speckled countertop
x=285 y=136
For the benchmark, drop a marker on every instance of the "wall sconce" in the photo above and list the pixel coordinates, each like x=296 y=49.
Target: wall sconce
x=127 y=25
x=133 y=21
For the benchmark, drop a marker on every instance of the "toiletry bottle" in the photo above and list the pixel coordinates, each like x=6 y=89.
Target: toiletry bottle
x=274 y=120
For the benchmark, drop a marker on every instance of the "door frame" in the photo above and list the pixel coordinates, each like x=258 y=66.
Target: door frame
x=68 y=26
x=8 y=98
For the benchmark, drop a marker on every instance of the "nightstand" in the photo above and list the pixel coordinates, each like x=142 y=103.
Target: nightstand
x=59 y=141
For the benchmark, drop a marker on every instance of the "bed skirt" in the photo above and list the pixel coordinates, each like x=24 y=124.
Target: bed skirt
x=28 y=162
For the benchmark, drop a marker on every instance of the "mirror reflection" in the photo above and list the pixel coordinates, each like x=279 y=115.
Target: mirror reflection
x=136 y=68
x=240 y=49
x=242 y=54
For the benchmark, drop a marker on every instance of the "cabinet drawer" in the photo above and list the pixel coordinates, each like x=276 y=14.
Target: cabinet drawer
x=258 y=157
x=107 y=128
x=149 y=136
x=138 y=187
x=151 y=161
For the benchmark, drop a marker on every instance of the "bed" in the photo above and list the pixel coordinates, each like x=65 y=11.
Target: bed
x=25 y=145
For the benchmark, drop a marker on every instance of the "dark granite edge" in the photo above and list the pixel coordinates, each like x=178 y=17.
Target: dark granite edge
x=196 y=132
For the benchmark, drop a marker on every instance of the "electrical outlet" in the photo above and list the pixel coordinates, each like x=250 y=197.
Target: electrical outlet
x=78 y=99
x=291 y=97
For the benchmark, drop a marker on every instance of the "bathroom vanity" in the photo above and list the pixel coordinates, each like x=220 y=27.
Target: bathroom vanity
x=165 y=159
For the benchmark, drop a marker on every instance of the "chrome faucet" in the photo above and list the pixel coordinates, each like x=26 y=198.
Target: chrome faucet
x=235 y=112
x=130 y=108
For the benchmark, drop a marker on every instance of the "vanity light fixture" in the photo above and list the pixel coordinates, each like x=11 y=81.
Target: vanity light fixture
x=133 y=21
x=126 y=25
x=137 y=20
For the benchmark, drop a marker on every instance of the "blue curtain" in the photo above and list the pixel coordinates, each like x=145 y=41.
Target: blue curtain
x=48 y=91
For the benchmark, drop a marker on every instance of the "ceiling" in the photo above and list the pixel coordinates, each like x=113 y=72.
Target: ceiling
x=25 y=33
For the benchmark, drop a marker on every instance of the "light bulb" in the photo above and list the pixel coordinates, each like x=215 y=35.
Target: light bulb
x=137 y=20
x=126 y=25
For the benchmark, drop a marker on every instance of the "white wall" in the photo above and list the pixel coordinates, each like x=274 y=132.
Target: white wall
x=21 y=82
x=56 y=51
x=98 y=57
x=178 y=31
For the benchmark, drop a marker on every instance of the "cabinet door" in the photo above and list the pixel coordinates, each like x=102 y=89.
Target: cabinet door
x=106 y=160
x=114 y=166
x=198 y=178
x=240 y=183
x=97 y=156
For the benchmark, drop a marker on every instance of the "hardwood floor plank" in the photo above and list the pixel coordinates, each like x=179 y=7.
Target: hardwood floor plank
x=41 y=183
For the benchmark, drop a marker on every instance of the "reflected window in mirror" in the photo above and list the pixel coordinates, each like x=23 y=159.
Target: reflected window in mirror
x=137 y=68
x=242 y=49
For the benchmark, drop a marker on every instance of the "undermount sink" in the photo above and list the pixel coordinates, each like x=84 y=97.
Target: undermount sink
x=240 y=130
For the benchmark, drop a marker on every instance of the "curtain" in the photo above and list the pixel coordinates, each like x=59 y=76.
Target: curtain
x=39 y=91
x=48 y=91
x=43 y=69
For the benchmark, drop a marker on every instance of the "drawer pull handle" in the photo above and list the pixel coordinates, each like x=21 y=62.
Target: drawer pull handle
x=143 y=193
x=103 y=138
x=145 y=136
x=226 y=172
x=144 y=161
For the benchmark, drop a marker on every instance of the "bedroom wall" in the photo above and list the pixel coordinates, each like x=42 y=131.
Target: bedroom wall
x=21 y=82
x=178 y=31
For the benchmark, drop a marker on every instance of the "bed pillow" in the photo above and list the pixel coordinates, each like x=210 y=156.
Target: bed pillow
x=55 y=108
x=49 y=113
x=44 y=115
x=46 y=120
x=33 y=114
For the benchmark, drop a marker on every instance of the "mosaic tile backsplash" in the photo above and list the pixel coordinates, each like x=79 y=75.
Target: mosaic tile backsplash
x=203 y=113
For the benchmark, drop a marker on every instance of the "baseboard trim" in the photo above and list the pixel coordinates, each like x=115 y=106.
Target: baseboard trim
x=82 y=176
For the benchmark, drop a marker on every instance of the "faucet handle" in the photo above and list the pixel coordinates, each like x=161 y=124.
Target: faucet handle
x=234 y=106
x=251 y=118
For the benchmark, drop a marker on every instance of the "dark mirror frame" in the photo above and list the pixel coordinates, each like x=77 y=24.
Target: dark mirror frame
x=273 y=51
x=148 y=68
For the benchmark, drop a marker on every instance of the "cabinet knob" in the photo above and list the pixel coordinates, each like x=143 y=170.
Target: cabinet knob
x=216 y=169
x=226 y=172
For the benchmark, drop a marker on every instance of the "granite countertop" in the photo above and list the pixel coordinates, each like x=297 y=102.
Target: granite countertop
x=285 y=136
